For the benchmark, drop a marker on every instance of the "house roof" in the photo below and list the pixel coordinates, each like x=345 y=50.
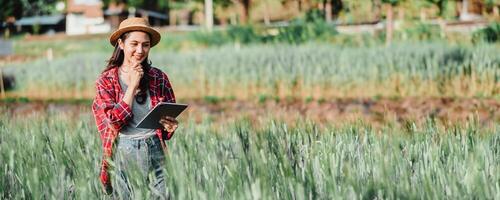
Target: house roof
x=41 y=20
x=152 y=14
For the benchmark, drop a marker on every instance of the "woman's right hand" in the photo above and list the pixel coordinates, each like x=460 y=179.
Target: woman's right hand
x=136 y=74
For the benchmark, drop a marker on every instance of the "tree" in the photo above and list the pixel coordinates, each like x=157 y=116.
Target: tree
x=377 y=4
x=440 y=4
x=21 y=8
x=153 y=5
x=390 y=18
x=245 y=13
x=209 y=14
x=332 y=9
x=493 y=6
x=11 y=8
x=161 y=6
x=38 y=7
x=337 y=6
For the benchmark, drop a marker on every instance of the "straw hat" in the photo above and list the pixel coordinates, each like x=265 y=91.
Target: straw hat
x=135 y=24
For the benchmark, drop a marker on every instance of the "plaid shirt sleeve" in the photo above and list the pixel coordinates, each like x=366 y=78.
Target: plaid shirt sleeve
x=109 y=116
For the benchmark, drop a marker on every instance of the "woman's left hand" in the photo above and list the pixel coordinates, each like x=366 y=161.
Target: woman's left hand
x=169 y=124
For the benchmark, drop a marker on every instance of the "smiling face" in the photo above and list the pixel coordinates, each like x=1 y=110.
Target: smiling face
x=135 y=47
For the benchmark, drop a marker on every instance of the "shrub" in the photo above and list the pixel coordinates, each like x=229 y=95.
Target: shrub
x=243 y=34
x=490 y=34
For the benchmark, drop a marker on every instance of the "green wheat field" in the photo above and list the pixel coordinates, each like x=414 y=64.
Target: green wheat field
x=56 y=154
x=56 y=157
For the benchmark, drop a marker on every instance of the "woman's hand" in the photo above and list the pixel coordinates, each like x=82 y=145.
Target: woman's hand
x=136 y=73
x=169 y=124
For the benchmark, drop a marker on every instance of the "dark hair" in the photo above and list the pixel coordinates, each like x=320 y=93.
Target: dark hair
x=116 y=60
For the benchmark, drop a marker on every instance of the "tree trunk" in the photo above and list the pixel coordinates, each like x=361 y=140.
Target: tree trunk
x=209 y=15
x=376 y=9
x=442 y=27
x=423 y=15
x=167 y=12
x=401 y=13
x=464 y=15
x=172 y=18
x=267 y=18
x=245 y=14
x=337 y=6
x=328 y=10
x=390 y=24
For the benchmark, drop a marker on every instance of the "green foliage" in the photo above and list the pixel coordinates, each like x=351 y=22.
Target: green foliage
x=311 y=27
x=277 y=70
x=212 y=99
x=490 y=34
x=491 y=3
x=422 y=32
x=214 y=38
x=56 y=157
x=156 y=5
x=36 y=28
x=393 y=2
x=298 y=31
x=243 y=34
x=441 y=4
x=10 y=8
x=22 y=8
x=38 y=7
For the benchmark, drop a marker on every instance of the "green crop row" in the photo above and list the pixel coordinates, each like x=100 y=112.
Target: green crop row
x=311 y=70
x=52 y=156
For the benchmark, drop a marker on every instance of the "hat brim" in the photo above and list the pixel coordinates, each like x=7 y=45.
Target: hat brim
x=155 y=35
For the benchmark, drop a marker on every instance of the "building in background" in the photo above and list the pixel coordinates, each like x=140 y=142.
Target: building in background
x=117 y=12
x=47 y=24
x=85 y=17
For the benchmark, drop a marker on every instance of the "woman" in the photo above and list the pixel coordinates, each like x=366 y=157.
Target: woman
x=125 y=91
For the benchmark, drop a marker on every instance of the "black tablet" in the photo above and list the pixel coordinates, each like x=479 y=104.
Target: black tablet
x=152 y=119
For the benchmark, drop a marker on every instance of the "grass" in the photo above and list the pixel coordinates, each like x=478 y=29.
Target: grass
x=63 y=45
x=57 y=156
x=317 y=71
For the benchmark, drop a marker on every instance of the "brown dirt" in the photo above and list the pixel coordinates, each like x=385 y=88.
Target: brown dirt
x=336 y=112
x=63 y=36
x=10 y=59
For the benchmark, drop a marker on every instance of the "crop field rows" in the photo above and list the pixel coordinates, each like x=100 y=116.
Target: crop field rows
x=309 y=121
x=59 y=159
x=314 y=71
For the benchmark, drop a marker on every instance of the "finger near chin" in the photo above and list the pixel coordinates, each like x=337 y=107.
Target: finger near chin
x=170 y=119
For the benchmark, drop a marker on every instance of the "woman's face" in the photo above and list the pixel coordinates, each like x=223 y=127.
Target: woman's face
x=135 y=47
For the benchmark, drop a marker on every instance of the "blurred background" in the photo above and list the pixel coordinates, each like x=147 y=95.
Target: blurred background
x=325 y=60
x=288 y=99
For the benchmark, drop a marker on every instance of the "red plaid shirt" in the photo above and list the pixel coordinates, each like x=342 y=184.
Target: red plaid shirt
x=111 y=112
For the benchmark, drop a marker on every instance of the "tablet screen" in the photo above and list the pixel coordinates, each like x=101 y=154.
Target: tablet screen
x=152 y=119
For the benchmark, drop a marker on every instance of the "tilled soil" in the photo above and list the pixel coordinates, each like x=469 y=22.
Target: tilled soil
x=339 y=111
